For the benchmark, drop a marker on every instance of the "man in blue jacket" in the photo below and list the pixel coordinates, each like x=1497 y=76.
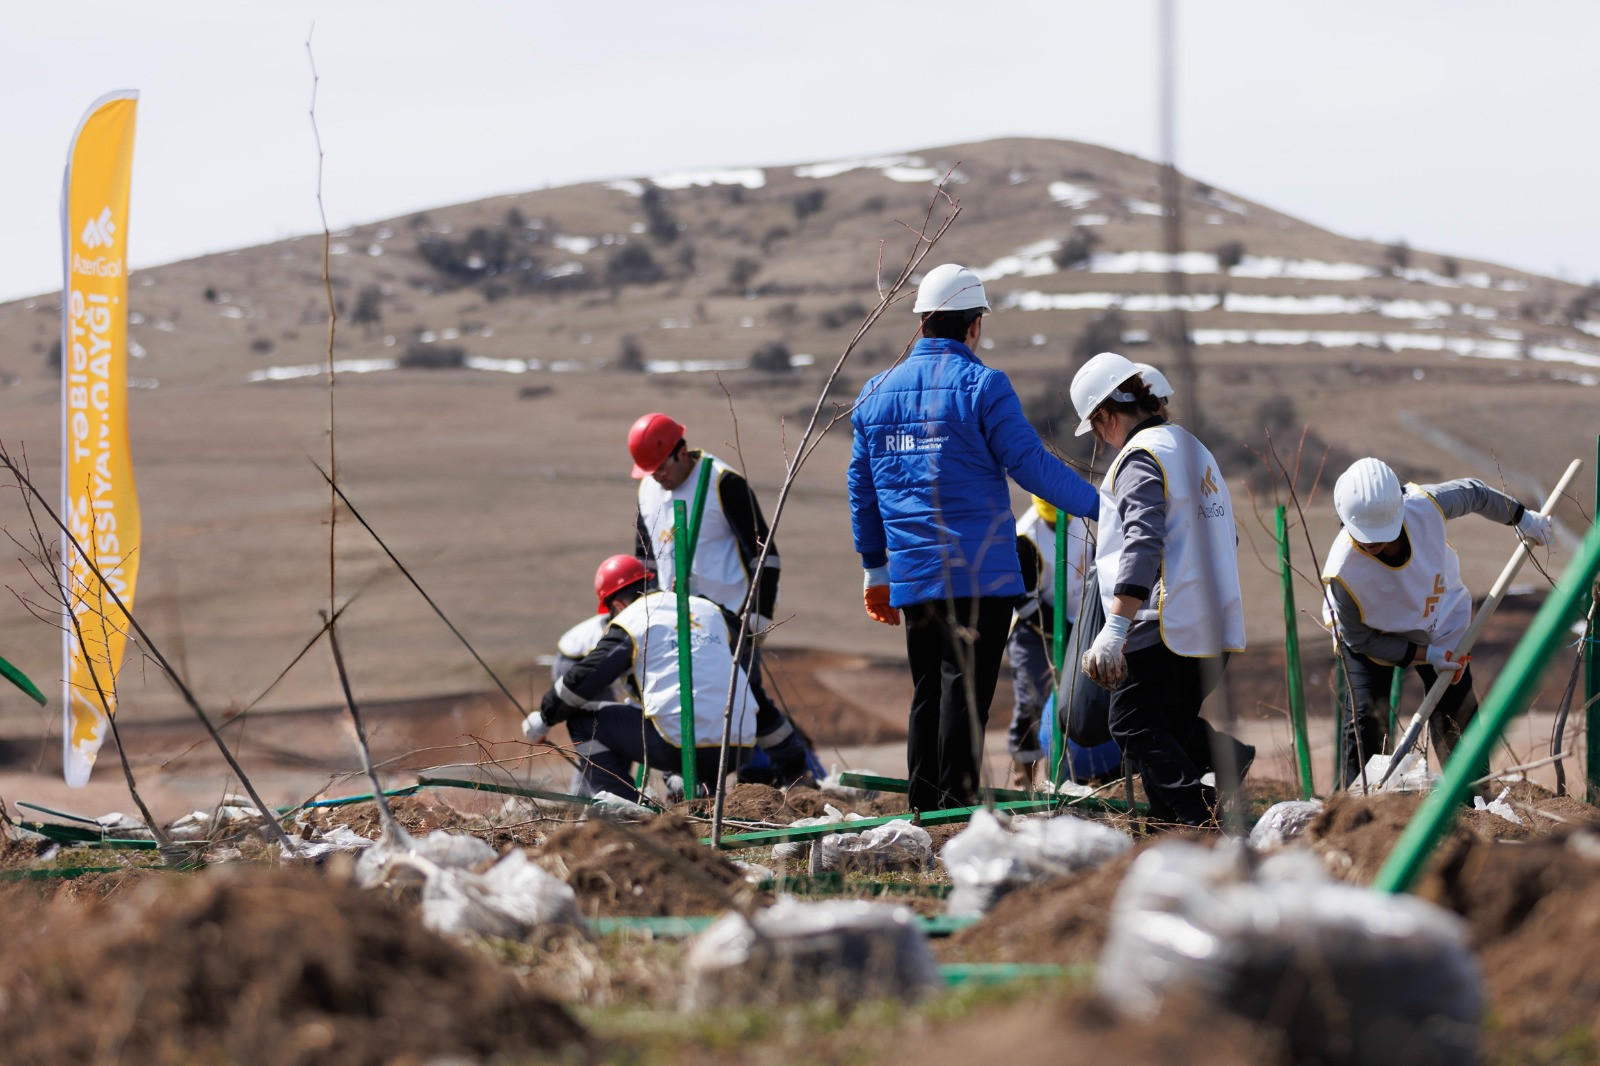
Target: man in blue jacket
x=935 y=438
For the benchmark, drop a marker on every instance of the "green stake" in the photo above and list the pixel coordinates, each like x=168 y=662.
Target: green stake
x=1291 y=657
x=1591 y=681
x=1058 y=651
x=680 y=558
x=1509 y=696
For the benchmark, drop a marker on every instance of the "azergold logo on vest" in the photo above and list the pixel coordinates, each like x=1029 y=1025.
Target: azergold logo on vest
x=1208 y=484
x=1433 y=601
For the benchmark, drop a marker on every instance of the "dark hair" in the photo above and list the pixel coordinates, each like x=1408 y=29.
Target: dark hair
x=1144 y=402
x=950 y=325
x=630 y=592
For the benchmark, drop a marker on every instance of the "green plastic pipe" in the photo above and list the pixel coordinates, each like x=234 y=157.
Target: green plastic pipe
x=1291 y=660
x=1058 y=650
x=898 y=786
x=1508 y=697
x=1591 y=681
x=949 y=816
x=680 y=558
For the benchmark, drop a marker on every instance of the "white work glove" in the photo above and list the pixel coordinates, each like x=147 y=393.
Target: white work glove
x=535 y=728
x=1103 y=662
x=1444 y=661
x=757 y=626
x=1535 y=527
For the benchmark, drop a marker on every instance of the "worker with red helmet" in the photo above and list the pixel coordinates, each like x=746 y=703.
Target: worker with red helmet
x=732 y=528
x=639 y=650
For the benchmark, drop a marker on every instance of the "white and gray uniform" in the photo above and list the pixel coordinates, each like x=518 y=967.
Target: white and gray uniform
x=732 y=530
x=1381 y=610
x=640 y=649
x=1166 y=518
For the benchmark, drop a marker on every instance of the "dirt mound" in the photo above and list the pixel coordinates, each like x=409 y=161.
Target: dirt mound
x=762 y=803
x=1076 y=1026
x=418 y=814
x=1062 y=920
x=261 y=968
x=657 y=867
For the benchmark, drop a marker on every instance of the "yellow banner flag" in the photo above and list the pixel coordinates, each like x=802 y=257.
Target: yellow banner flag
x=98 y=501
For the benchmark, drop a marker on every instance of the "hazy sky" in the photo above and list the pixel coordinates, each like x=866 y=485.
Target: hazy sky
x=1462 y=126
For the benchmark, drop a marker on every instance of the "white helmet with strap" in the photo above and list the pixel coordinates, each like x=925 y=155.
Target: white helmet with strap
x=1096 y=382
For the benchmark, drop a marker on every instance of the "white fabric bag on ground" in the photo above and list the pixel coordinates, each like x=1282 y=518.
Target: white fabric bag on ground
x=844 y=951
x=1347 y=974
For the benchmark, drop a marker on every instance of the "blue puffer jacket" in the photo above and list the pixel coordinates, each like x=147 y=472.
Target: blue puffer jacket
x=935 y=438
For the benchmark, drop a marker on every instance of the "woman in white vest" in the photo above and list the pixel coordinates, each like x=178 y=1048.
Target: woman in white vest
x=1169 y=580
x=640 y=650
x=1395 y=599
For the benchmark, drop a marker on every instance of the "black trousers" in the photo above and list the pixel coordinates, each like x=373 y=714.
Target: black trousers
x=614 y=737
x=1155 y=717
x=954 y=648
x=1364 y=716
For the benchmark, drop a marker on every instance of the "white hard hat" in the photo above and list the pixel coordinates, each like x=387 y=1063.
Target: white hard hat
x=1370 y=501
x=950 y=287
x=1096 y=381
x=1160 y=387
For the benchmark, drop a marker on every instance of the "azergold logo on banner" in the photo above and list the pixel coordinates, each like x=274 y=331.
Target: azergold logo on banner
x=1433 y=601
x=99 y=230
x=1208 y=484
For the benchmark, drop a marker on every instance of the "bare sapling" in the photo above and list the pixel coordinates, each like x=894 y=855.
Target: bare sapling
x=151 y=649
x=807 y=444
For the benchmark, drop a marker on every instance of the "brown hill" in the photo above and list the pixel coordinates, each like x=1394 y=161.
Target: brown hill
x=484 y=435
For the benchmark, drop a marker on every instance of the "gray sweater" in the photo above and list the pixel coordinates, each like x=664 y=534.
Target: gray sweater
x=1462 y=496
x=1141 y=495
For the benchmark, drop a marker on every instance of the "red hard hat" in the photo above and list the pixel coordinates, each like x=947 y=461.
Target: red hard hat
x=651 y=440
x=616 y=574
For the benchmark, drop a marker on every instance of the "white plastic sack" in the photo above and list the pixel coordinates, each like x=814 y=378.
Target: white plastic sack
x=988 y=859
x=895 y=846
x=511 y=899
x=795 y=852
x=831 y=786
x=614 y=806
x=339 y=838
x=1283 y=822
x=1499 y=806
x=1412 y=776
x=1348 y=975
x=840 y=950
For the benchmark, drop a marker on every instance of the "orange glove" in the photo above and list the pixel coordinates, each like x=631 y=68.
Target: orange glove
x=876 y=597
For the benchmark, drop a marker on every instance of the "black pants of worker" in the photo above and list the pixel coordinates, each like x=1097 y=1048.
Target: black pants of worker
x=1155 y=718
x=1366 y=732
x=615 y=737
x=954 y=648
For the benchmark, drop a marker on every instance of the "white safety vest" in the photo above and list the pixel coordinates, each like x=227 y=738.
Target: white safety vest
x=582 y=638
x=1423 y=596
x=718 y=573
x=652 y=622
x=1036 y=530
x=1200 y=537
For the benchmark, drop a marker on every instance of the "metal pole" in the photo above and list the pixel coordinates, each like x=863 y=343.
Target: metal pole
x=1510 y=695
x=1291 y=657
x=1591 y=682
x=680 y=558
